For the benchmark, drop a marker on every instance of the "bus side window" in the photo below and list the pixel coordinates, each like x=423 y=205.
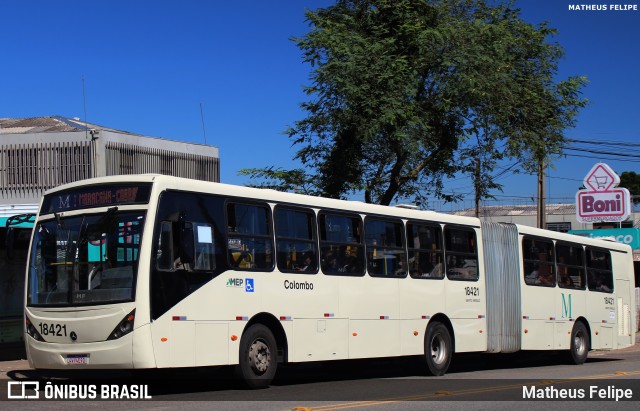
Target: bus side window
x=296 y=242
x=386 y=255
x=538 y=262
x=249 y=241
x=599 y=270
x=341 y=244
x=570 y=266
x=425 y=250
x=461 y=253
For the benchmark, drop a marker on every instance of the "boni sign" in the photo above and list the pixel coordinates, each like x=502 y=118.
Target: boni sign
x=601 y=200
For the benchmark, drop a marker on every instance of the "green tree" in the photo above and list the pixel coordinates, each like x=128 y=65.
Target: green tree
x=631 y=181
x=406 y=92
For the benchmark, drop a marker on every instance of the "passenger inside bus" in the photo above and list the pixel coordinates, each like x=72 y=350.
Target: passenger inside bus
x=566 y=281
x=545 y=277
x=307 y=264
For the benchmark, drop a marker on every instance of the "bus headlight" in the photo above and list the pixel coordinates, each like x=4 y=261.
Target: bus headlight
x=31 y=330
x=124 y=327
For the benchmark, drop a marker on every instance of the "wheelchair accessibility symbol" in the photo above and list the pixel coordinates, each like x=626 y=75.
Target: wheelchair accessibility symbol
x=249 y=285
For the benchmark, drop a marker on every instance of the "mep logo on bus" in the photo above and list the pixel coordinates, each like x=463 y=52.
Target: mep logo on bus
x=601 y=200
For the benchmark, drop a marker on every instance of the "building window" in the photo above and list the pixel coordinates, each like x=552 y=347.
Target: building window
x=562 y=227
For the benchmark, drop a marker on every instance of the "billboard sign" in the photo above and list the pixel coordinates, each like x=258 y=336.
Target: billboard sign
x=601 y=200
x=629 y=236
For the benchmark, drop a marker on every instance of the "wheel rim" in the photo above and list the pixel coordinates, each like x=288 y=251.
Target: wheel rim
x=438 y=350
x=259 y=357
x=579 y=343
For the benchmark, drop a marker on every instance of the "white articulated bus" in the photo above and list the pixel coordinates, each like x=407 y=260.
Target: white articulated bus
x=150 y=271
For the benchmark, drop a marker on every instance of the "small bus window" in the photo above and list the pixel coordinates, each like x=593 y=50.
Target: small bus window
x=386 y=256
x=341 y=244
x=599 y=270
x=570 y=266
x=250 y=246
x=461 y=254
x=297 y=251
x=425 y=251
x=538 y=262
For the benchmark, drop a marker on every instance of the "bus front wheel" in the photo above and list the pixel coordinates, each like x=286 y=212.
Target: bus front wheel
x=579 y=348
x=258 y=360
x=438 y=349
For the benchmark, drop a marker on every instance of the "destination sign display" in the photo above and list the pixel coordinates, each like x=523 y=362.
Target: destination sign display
x=96 y=196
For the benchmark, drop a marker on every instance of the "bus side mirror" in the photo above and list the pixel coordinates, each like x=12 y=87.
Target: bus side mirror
x=186 y=243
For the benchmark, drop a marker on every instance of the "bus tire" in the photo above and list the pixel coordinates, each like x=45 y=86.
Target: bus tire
x=438 y=349
x=258 y=357
x=579 y=347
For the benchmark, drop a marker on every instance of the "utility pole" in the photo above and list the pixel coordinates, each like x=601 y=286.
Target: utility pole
x=542 y=209
x=478 y=187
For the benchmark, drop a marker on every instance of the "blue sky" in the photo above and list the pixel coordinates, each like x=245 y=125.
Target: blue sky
x=148 y=65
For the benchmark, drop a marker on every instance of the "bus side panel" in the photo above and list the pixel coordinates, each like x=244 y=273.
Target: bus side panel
x=624 y=317
x=601 y=315
x=467 y=308
x=143 y=356
x=421 y=299
x=373 y=313
x=624 y=279
x=570 y=304
x=318 y=328
x=320 y=339
x=538 y=311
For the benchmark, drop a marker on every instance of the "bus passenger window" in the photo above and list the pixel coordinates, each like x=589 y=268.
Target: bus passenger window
x=461 y=254
x=249 y=244
x=425 y=250
x=386 y=256
x=538 y=262
x=341 y=244
x=297 y=251
x=599 y=270
x=570 y=266
x=204 y=248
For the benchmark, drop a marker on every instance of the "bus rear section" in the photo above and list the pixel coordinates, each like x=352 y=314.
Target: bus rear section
x=555 y=291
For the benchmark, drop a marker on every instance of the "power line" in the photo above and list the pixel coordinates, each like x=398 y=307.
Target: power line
x=608 y=142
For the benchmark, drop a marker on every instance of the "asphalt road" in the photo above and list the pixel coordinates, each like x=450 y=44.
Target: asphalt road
x=474 y=381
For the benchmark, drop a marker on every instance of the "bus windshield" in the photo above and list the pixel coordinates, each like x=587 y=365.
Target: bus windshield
x=82 y=260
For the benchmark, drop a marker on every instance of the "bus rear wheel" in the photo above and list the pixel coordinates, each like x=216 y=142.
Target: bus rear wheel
x=258 y=360
x=579 y=348
x=438 y=349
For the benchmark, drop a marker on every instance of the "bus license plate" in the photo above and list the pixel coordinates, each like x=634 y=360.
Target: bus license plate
x=78 y=359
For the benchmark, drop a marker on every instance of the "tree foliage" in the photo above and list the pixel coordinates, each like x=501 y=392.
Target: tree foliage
x=405 y=93
x=631 y=181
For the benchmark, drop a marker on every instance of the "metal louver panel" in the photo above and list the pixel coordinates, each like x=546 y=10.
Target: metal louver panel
x=30 y=169
x=129 y=159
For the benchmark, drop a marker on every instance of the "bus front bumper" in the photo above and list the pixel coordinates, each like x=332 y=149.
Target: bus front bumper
x=109 y=354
